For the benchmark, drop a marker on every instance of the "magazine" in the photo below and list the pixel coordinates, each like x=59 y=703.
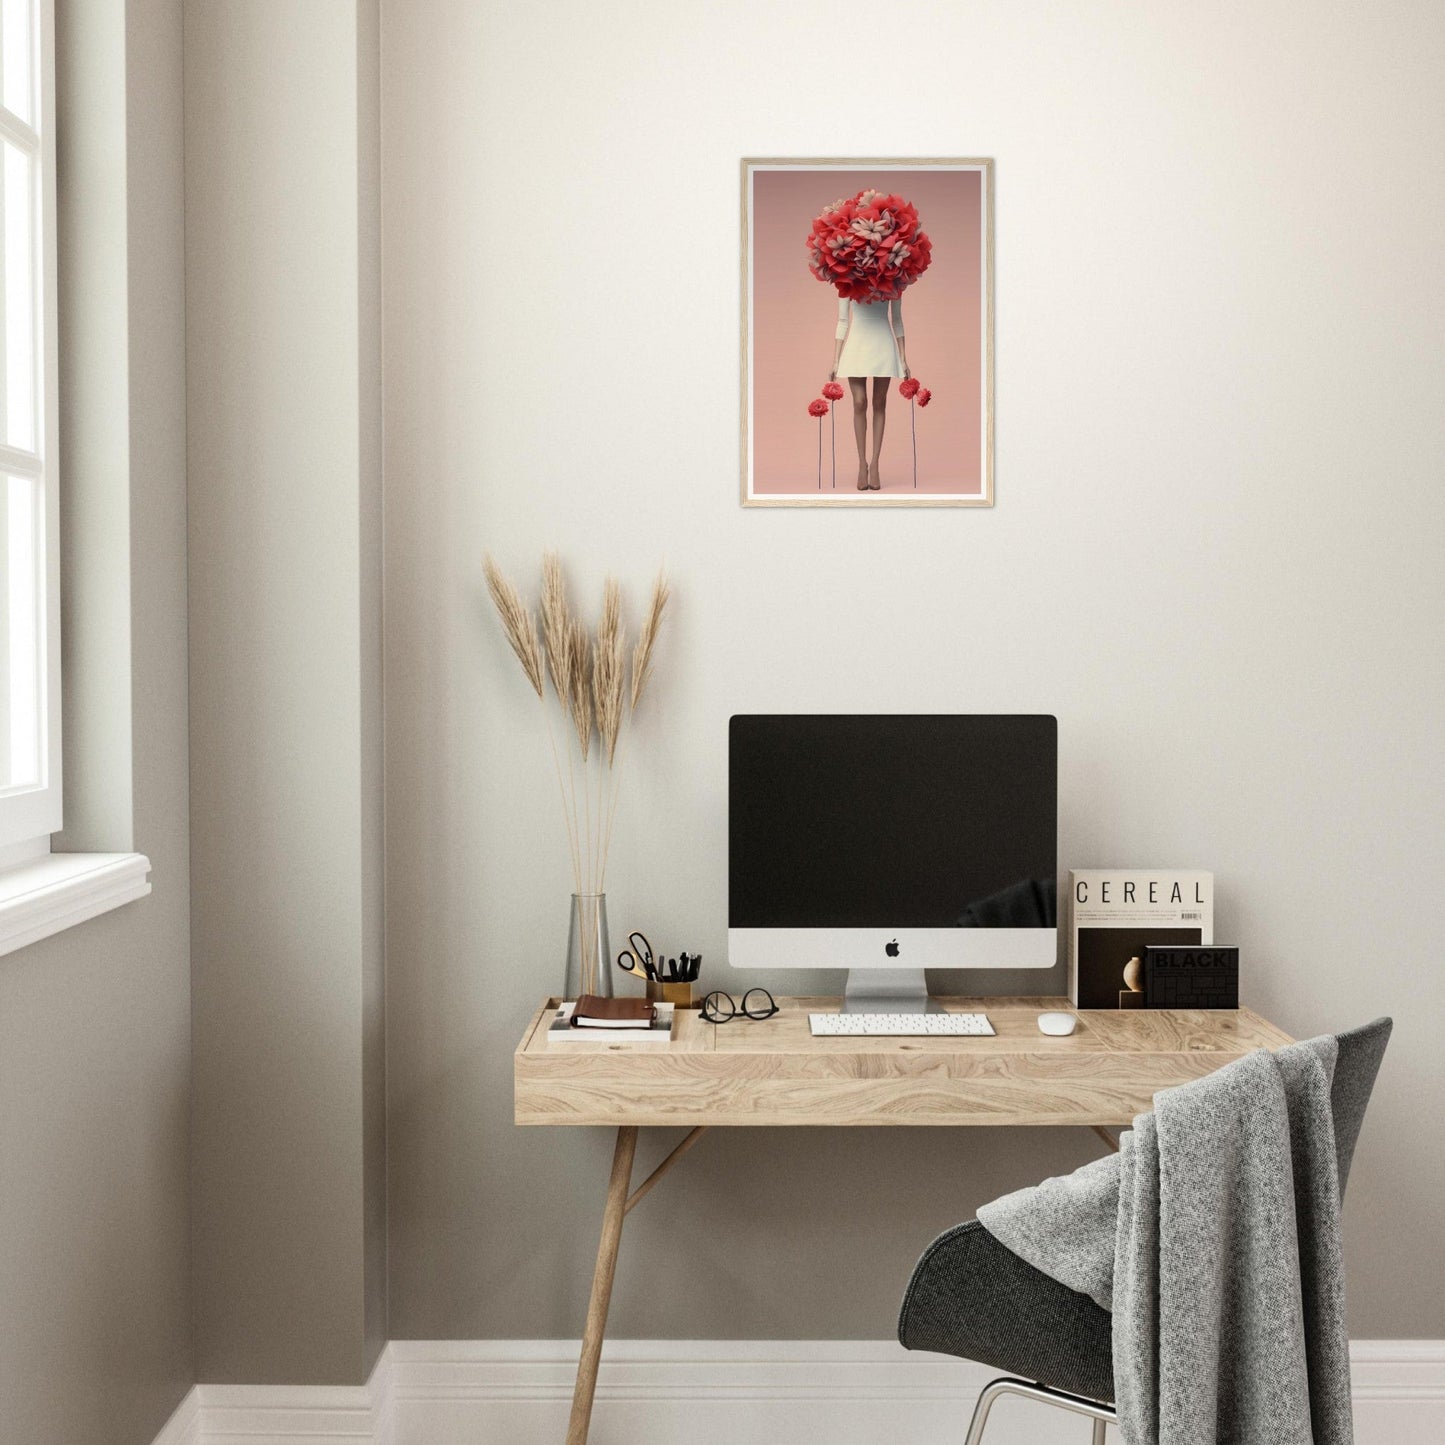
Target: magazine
x=1114 y=913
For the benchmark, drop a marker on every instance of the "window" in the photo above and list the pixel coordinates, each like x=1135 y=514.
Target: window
x=41 y=893
x=30 y=803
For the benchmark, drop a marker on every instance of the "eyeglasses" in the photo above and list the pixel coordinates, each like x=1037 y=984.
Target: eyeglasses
x=720 y=1008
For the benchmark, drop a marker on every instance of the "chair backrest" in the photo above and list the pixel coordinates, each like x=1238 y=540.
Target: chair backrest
x=1361 y=1050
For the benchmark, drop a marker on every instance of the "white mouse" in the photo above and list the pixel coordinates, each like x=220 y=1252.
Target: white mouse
x=1057 y=1024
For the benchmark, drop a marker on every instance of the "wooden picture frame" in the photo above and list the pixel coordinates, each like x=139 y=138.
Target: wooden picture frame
x=950 y=448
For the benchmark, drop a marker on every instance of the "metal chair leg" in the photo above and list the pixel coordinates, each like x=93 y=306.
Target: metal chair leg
x=1096 y=1410
x=989 y=1394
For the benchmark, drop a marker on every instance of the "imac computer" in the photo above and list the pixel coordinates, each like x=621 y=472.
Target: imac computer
x=887 y=844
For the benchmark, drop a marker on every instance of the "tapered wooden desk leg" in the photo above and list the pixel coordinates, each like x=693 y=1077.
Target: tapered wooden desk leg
x=1106 y=1136
x=596 y=1326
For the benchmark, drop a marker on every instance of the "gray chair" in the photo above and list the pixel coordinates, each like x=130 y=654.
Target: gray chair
x=972 y=1297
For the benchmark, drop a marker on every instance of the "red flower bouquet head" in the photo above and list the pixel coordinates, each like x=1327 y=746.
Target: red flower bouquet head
x=869 y=247
x=818 y=407
x=908 y=388
x=833 y=390
x=924 y=397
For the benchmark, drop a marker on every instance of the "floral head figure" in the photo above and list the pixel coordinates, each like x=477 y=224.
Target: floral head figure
x=869 y=247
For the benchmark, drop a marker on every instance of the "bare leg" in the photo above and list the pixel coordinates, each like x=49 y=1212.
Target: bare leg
x=880 y=415
x=859 y=387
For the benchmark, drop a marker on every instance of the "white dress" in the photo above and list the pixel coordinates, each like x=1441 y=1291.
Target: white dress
x=871 y=328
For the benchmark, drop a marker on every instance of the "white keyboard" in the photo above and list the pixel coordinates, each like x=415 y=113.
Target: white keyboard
x=900 y=1025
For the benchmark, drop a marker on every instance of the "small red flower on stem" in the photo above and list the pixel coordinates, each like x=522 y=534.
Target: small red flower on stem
x=819 y=408
x=833 y=390
x=912 y=393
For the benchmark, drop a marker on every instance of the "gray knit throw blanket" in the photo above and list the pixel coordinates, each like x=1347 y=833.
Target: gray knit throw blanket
x=1214 y=1237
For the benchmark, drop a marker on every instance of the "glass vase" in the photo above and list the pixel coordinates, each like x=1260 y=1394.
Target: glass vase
x=589 y=955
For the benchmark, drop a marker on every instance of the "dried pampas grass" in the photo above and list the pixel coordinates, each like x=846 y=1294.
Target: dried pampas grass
x=556 y=623
x=589 y=680
x=647 y=638
x=609 y=669
x=517 y=622
x=579 y=685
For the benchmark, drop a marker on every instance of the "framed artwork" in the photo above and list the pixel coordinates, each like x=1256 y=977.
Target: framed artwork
x=867 y=333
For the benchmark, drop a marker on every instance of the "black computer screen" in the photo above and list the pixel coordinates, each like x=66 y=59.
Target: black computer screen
x=923 y=821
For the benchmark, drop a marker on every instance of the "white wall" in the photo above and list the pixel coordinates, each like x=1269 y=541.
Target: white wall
x=1215 y=556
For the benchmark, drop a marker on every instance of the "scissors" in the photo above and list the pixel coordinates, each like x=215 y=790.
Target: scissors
x=637 y=958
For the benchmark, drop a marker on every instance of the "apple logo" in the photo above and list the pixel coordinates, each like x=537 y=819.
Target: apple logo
x=891 y=949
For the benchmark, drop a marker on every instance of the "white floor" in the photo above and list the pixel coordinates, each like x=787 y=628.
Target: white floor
x=716 y=1392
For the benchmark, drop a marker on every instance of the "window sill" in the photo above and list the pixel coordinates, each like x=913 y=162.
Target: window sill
x=59 y=890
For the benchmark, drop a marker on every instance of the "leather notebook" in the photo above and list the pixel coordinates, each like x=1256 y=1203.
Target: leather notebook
x=593 y=1012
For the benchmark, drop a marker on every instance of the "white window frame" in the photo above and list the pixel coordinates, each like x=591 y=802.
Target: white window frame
x=42 y=892
x=30 y=814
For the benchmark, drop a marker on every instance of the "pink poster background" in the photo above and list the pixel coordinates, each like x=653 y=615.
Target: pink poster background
x=794 y=315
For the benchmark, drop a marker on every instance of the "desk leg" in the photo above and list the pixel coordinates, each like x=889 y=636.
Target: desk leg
x=612 y=1215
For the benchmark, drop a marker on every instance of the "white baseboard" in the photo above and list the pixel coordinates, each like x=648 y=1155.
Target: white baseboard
x=714 y=1392
x=184 y=1427
x=1398 y=1389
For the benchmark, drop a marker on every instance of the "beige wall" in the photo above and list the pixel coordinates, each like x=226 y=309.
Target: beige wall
x=284 y=533
x=1215 y=556
x=95 y=1337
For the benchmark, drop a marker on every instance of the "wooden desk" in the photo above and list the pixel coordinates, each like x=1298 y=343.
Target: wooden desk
x=773 y=1072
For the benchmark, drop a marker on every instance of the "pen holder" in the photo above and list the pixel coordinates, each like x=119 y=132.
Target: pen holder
x=679 y=994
